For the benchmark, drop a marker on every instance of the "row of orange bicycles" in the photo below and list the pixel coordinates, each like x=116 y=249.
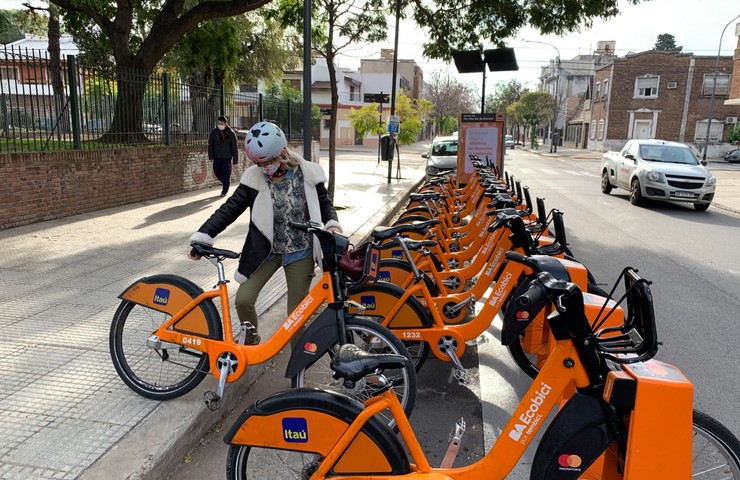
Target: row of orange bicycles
x=599 y=406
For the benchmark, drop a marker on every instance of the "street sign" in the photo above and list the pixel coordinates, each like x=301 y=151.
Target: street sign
x=376 y=98
x=394 y=124
x=325 y=111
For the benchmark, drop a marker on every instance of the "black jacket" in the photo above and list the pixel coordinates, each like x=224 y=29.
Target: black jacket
x=254 y=193
x=226 y=148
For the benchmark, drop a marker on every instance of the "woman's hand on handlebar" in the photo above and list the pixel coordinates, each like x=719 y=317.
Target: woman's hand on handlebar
x=192 y=255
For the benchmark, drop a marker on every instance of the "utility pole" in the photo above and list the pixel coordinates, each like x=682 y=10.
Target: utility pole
x=553 y=148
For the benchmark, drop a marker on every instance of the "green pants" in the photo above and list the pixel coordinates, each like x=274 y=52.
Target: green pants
x=298 y=276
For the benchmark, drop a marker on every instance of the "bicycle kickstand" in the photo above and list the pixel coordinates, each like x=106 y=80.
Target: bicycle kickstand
x=454 y=446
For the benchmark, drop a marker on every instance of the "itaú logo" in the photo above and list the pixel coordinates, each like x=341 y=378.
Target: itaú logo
x=529 y=419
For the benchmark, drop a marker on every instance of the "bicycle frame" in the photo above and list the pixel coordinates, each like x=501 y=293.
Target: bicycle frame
x=187 y=326
x=658 y=433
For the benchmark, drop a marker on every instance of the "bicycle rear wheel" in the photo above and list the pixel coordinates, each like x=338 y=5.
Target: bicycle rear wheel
x=374 y=338
x=157 y=373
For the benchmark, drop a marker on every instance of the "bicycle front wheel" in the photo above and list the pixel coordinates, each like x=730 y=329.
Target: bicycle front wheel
x=716 y=450
x=246 y=463
x=156 y=373
x=373 y=338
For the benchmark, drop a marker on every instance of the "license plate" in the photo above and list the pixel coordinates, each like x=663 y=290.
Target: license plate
x=684 y=194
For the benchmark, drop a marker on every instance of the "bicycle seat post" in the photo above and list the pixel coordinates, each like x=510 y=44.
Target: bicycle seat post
x=219 y=263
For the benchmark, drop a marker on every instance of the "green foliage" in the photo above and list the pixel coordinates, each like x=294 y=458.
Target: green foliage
x=667 y=42
x=534 y=108
x=733 y=135
x=366 y=120
x=454 y=25
x=410 y=120
x=9 y=31
x=205 y=54
x=504 y=95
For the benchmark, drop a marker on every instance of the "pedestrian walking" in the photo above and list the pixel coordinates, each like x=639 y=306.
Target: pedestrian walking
x=223 y=151
x=280 y=187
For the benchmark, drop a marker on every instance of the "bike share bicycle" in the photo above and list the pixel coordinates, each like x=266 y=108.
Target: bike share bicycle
x=613 y=420
x=167 y=334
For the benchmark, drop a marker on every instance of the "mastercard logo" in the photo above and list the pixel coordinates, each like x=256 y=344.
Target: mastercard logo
x=310 y=347
x=522 y=315
x=573 y=461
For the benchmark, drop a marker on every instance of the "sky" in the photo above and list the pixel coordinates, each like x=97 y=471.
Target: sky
x=695 y=24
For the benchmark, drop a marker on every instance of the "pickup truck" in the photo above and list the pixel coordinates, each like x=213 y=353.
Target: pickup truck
x=658 y=170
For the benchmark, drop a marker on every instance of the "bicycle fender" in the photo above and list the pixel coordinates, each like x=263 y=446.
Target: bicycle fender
x=312 y=421
x=320 y=335
x=577 y=436
x=169 y=294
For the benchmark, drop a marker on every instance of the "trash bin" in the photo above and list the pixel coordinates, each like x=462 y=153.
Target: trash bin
x=387 y=145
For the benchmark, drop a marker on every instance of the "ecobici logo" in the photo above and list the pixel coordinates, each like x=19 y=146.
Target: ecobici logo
x=295 y=430
x=531 y=418
x=298 y=313
x=161 y=296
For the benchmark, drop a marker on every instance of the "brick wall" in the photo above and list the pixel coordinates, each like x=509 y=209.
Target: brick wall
x=39 y=186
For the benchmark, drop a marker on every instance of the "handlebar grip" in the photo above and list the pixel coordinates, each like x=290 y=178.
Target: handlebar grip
x=516 y=257
x=533 y=296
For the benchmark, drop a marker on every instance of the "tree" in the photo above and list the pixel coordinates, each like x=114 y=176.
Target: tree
x=532 y=110
x=504 y=94
x=410 y=120
x=340 y=23
x=366 y=120
x=450 y=98
x=138 y=35
x=454 y=25
x=667 y=42
x=9 y=31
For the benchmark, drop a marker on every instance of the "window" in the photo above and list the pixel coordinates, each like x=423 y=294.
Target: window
x=597 y=91
x=723 y=84
x=327 y=123
x=592 y=133
x=245 y=88
x=646 y=87
x=600 y=132
x=8 y=73
x=605 y=90
x=715 y=132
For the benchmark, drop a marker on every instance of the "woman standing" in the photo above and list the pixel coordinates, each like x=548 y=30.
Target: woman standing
x=223 y=152
x=279 y=188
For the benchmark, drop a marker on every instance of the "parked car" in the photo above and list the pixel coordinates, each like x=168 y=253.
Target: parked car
x=442 y=156
x=732 y=155
x=658 y=170
x=509 y=141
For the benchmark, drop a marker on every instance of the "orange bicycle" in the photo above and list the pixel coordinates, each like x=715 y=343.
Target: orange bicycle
x=167 y=333
x=613 y=421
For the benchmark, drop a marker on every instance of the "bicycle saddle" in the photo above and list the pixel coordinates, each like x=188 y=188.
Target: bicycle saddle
x=384 y=233
x=208 y=251
x=353 y=363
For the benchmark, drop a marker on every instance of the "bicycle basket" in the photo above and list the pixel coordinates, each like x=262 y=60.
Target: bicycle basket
x=636 y=339
x=360 y=264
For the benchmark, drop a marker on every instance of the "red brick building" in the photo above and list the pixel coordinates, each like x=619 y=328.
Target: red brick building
x=658 y=94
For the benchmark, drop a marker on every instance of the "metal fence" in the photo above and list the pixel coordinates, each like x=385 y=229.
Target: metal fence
x=56 y=105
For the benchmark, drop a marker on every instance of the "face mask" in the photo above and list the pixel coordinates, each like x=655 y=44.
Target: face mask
x=221 y=127
x=271 y=169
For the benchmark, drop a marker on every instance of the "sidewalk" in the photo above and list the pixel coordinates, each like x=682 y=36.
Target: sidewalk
x=64 y=412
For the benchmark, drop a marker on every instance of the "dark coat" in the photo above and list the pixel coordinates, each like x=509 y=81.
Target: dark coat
x=226 y=148
x=254 y=193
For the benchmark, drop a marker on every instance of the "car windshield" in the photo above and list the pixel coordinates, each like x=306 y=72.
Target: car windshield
x=668 y=154
x=445 y=149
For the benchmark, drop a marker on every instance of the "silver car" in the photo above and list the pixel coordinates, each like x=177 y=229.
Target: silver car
x=442 y=156
x=658 y=170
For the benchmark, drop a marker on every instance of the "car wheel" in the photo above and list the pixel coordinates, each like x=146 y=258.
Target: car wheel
x=702 y=207
x=606 y=187
x=636 y=193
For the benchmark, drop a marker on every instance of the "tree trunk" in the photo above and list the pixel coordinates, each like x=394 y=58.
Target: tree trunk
x=55 y=71
x=129 y=113
x=332 y=124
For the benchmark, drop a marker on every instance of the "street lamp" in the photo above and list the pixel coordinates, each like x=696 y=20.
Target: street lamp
x=553 y=148
x=501 y=59
x=714 y=89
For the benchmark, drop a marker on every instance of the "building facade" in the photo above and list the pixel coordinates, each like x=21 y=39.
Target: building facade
x=659 y=94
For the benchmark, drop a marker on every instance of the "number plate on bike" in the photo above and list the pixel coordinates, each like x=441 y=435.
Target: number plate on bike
x=372 y=261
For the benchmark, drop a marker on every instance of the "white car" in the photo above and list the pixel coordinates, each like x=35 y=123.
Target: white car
x=658 y=170
x=509 y=141
x=442 y=156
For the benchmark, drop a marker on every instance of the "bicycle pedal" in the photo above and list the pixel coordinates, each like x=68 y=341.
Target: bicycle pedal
x=461 y=376
x=212 y=400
